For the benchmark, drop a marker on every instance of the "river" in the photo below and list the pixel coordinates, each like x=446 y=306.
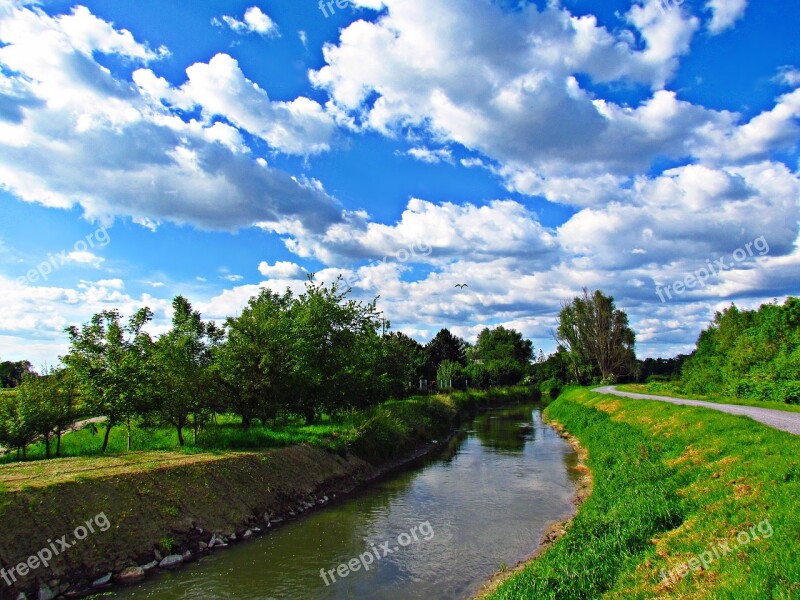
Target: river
x=439 y=529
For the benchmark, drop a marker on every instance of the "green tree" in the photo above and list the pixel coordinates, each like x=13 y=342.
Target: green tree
x=444 y=346
x=336 y=351
x=47 y=405
x=16 y=432
x=253 y=364
x=505 y=354
x=11 y=373
x=184 y=385
x=597 y=338
x=403 y=363
x=112 y=363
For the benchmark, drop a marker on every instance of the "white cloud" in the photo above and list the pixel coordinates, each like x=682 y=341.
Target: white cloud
x=86 y=258
x=233 y=278
x=789 y=76
x=220 y=88
x=725 y=13
x=430 y=156
x=72 y=133
x=281 y=270
x=254 y=21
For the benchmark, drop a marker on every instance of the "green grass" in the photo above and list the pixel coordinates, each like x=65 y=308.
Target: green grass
x=670 y=482
x=379 y=433
x=675 y=389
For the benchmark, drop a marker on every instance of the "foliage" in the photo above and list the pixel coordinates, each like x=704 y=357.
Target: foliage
x=660 y=500
x=184 y=385
x=444 y=346
x=505 y=354
x=11 y=373
x=597 y=338
x=111 y=362
x=749 y=354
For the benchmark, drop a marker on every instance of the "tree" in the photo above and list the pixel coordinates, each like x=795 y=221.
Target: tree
x=403 y=363
x=336 y=351
x=11 y=373
x=749 y=354
x=597 y=338
x=504 y=353
x=47 y=405
x=184 y=385
x=112 y=363
x=16 y=432
x=253 y=364
x=444 y=346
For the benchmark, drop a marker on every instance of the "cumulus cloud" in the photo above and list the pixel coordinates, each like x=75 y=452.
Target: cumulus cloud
x=73 y=133
x=254 y=21
x=724 y=14
x=221 y=89
x=521 y=90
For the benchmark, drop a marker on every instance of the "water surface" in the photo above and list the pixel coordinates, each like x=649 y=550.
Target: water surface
x=483 y=503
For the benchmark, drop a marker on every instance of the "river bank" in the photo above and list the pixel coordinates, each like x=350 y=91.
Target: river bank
x=686 y=503
x=163 y=509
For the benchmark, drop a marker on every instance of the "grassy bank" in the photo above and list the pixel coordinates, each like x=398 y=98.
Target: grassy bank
x=672 y=485
x=675 y=390
x=156 y=500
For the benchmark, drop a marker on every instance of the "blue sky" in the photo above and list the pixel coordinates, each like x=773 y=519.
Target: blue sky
x=525 y=148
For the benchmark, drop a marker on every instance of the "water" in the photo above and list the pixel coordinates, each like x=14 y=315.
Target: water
x=484 y=503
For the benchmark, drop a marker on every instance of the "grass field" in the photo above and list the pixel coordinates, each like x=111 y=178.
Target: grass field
x=673 y=486
x=675 y=389
x=377 y=433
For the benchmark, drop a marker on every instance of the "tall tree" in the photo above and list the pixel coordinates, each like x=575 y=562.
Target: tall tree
x=597 y=337
x=253 y=362
x=336 y=351
x=112 y=364
x=182 y=358
x=404 y=360
x=505 y=354
x=444 y=346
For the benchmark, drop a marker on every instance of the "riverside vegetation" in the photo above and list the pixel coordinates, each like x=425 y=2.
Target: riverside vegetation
x=669 y=484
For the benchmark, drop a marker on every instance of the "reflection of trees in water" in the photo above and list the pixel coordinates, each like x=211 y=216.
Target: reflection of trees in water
x=505 y=431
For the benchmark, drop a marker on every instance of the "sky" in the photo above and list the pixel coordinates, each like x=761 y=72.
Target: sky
x=648 y=149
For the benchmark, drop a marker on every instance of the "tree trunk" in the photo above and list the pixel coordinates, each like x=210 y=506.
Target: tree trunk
x=109 y=425
x=47 y=445
x=58 y=442
x=311 y=416
x=181 y=441
x=128 y=426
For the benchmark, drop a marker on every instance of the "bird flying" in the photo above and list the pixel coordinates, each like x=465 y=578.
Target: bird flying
x=461 y=285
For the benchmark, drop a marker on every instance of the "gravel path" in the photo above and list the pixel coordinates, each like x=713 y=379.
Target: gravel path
x=778 y=419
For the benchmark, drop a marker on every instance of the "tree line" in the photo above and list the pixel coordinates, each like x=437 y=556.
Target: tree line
x=753 y=354
x=302 y=356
